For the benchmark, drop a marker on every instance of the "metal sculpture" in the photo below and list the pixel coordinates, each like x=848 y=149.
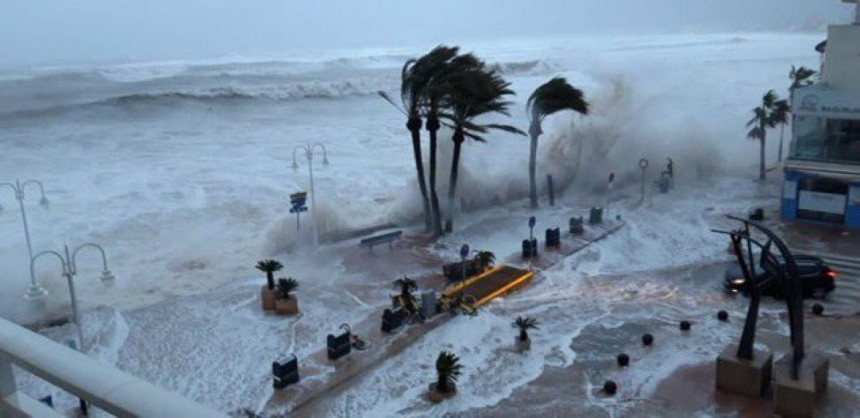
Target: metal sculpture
x=784 y=271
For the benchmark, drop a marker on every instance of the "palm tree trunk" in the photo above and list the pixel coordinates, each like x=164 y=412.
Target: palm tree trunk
x=781 y=133
x=523 y=335
x=761 y=169
x=414 y=126
x=452 y=185
x=270 y=280
x=442 y=384
x=533 y=171
x=433 y=128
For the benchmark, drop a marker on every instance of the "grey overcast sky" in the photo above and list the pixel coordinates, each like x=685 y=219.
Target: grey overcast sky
x=35 y=32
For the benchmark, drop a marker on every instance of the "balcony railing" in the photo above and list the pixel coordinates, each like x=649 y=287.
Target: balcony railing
x=101 y=385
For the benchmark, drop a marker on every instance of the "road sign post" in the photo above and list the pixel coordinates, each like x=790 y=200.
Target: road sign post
x=609 y=191
x=643 y=165
x=464 y=252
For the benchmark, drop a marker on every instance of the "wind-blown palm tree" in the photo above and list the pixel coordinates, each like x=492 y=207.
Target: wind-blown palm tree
x=764 y=117
x=799 y=78
x=415 y=76
x=553 y=96
x=286 y=286
x=438 y=92
x=781 y=110
x=475 y=92
x=448 y=370
x=269 y=267
x=524 y=324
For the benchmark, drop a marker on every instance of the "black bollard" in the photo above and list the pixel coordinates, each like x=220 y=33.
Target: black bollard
x=623 y=360
x=723 y=316
x=818 y=309
x=685 y=325
x=647 y=339
x=609 y=387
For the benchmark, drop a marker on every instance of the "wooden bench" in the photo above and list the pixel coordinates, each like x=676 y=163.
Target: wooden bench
x=379 y=239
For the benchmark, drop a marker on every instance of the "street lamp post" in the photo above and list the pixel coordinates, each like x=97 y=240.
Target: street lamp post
x=309 y=153
x=69 y=266
x=35 y=291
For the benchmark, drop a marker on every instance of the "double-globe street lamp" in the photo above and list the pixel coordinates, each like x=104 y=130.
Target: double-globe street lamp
x=69 y=266
x=35 y=291
x=309 y=153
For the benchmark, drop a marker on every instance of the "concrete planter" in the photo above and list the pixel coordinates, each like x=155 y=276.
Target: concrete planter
x=522 y=345
x=268 y=298
x=287 y=306
x=435 y=396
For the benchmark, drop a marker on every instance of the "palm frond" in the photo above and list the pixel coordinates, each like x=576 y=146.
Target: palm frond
x=506 y=128
x=525 y=323
x=287 y=286
x=553 y=96
x=267 y=266
x=756 y=133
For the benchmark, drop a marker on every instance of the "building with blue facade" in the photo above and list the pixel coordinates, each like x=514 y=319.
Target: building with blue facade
x=822 y=171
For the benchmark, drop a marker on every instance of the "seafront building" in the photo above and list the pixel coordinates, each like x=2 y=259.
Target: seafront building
x=822 y=171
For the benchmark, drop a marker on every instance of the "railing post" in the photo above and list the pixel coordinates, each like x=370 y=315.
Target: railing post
x=7 y=379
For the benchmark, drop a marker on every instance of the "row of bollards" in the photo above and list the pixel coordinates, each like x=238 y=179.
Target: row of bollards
x=623 y=360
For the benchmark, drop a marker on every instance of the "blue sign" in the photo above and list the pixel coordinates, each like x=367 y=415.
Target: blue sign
x=298 y=202
x=464 y=251
x=532 y=222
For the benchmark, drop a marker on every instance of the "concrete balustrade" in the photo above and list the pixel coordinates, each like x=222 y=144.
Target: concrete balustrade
x=100 y=384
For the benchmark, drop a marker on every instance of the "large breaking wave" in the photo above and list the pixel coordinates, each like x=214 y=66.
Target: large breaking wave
x=60 y=91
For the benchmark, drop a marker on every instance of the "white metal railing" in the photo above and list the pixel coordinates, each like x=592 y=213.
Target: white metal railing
x=103 y=386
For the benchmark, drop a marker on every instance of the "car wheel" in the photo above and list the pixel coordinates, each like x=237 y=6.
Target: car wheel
x=819 y=294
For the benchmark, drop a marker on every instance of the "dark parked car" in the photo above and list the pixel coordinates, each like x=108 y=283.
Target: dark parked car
x=817 y=278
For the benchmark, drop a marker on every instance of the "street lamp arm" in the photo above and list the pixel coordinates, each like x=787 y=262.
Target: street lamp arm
x=14 y=189
x=37 y=183
x=46 y=252
x=91 y=245
x=299 y=147
x=321 y=146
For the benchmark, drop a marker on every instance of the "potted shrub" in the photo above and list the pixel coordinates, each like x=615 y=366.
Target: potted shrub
x=286 y=302
x=267 y=293
x=485 y=259
x=448 y=369
x=523 y=342
x=405 y=298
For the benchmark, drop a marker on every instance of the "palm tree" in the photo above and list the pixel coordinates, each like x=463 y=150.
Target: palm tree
x=438 y=92
x=406 y=286
x=473 y=93
x=414 y=78
x=485 y=258
x=799 y=78
x=448 y=369
x=763 y=118
x=286 y=286
x=525 y=324
x=269 y=267
x=781 y=110
x=553 y=96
